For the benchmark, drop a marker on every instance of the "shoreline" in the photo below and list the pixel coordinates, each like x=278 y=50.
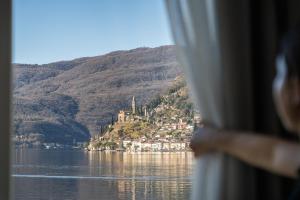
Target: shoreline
x=107 y=151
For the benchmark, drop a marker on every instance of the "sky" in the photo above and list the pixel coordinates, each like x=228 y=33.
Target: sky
x=46 y=31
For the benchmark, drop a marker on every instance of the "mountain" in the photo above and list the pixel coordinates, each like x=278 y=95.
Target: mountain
x=68 y=100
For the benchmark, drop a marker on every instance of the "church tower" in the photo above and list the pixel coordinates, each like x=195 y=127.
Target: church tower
x=133 y=105
x=145 y=111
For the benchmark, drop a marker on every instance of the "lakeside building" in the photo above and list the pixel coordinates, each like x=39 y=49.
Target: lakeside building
x=139 y=146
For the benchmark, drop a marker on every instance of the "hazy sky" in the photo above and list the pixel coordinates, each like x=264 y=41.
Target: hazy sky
x=54 y=30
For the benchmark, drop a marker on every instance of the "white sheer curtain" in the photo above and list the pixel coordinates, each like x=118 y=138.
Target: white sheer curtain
x=213 y=46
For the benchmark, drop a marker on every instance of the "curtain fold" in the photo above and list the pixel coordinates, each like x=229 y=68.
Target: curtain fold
x=213 y=44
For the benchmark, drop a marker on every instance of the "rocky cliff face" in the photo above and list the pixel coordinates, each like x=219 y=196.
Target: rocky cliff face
x=69 y=100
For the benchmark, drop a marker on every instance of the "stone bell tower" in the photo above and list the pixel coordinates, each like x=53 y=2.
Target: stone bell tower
x=145 y=111
x=133 y=105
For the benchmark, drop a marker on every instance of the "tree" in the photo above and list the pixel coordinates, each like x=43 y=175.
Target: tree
x=120 y=133
x=111 y=145
x=112 y=120
x=128 y=145
x=135 y=135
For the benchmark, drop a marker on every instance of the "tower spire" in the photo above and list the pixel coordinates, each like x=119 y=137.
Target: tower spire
x=133 y=105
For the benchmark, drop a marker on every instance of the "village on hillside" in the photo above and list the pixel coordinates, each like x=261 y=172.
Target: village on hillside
x=165 y=124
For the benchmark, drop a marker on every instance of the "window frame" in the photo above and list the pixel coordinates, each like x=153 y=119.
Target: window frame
x=5 y=96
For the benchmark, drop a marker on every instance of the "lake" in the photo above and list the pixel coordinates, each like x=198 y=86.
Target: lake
x=75 y=174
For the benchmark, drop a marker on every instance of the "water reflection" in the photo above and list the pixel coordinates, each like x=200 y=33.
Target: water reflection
x=61 y=174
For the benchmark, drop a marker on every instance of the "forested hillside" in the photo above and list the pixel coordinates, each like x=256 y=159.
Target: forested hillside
x=67 y=100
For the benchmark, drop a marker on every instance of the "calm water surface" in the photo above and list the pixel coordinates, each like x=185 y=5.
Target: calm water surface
x=69 y=174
